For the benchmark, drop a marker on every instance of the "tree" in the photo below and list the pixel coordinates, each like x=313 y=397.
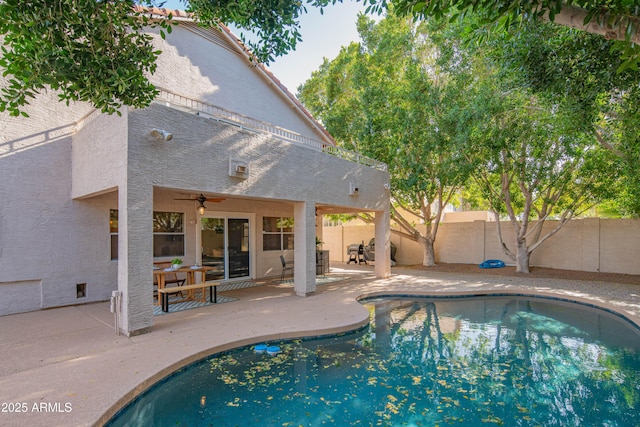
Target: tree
x=387 y=98
x=615 y=20
x=97 y=51
x=577 y=71
x=535 y=167
x=533 y=136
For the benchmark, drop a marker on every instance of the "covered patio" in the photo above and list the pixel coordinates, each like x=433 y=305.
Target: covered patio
x=215 y=194
x=230 y=235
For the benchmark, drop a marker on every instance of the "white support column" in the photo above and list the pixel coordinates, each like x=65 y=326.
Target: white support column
x=135 y=258
x=304 y=269
x=319 y=227
x=383 y=244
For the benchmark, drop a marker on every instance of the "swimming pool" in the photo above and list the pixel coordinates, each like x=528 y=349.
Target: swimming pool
x=464 y=361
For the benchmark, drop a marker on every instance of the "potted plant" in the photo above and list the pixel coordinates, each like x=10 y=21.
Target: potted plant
x=319 y=243
x=176 y=263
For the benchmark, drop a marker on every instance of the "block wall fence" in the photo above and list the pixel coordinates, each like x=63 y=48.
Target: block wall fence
x=592 y=244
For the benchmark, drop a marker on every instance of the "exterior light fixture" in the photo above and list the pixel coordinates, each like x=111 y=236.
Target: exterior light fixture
x=201 y=206
x=162 y=135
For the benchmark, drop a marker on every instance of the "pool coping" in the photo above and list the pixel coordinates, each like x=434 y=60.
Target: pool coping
x=99 y=373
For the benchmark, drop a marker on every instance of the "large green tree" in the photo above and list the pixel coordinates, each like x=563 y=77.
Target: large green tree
x=577 y=72
x=534 y=166
x=96 y=51
x=387 y=98
x=540 y=151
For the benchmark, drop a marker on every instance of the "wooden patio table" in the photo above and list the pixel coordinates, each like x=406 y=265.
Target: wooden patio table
x=161 y=273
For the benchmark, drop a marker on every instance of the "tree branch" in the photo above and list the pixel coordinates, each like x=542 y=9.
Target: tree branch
x=504 y=247
x=611 y=29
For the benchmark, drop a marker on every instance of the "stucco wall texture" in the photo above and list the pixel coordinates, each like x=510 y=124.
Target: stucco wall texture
x=591 y=244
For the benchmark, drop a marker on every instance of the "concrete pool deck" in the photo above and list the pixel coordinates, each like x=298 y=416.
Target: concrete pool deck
x=66 y=367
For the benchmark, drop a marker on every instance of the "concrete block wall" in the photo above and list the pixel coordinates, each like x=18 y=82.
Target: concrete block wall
x=590 y=244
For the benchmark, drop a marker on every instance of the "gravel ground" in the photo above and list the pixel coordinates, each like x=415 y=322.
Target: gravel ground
x=536 y=272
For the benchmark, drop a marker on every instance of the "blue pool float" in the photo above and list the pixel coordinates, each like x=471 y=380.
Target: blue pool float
x=492 y=263
x=260 y=348
x=273 y=350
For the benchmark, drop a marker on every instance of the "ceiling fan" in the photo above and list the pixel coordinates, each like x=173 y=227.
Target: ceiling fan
x=201 y=199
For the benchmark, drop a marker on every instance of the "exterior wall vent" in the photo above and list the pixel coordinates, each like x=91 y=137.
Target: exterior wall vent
x=81 y=290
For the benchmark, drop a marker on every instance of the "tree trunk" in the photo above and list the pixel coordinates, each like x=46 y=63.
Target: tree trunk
x=522 y=257
x=428 y=252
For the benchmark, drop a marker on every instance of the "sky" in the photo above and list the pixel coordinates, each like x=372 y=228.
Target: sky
x=322 y=37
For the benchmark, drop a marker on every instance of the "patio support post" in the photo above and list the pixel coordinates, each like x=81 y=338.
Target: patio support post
x=304 y=240
x=135 y=258
x=383 y=244
x=319 y=228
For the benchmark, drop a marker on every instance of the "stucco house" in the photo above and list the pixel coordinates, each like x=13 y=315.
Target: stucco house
x=90 y=201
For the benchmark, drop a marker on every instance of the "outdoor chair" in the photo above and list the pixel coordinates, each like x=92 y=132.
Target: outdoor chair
x=168 y=278
x=286 y=265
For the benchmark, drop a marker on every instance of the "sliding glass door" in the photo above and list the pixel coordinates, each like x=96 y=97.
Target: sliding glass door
x=226 y=247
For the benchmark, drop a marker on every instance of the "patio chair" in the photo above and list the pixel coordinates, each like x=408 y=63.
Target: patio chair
x=286 y=265
x=168 y=278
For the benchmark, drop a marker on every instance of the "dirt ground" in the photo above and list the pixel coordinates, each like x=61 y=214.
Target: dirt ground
x=536 y=272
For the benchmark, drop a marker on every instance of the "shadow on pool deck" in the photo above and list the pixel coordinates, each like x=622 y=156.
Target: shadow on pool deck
x=69 y=368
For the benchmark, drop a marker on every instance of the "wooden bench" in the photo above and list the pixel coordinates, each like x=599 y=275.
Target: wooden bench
x=213 y=292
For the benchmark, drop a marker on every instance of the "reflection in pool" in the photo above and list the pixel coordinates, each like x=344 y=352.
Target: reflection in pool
x=513 y=361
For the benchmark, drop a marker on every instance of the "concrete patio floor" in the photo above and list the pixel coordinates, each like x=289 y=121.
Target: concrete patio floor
x=66 y=367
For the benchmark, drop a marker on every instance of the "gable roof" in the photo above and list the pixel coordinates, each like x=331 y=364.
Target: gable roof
x=180 y=15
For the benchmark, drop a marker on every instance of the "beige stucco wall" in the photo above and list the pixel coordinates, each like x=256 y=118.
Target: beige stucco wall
x=467 y=216
x=43 y=232
x=592 y=244
x=212 y=70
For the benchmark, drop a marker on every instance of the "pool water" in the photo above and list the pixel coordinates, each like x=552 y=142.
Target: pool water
x=472 y=361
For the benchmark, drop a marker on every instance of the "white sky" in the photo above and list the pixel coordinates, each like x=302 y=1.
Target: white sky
x=322 y=37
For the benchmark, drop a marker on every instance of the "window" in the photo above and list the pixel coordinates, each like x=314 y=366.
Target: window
x=168 y=234
x=113 y=231
x=277 y=233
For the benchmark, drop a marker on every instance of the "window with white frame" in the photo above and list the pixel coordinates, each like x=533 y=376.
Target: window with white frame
x=277 y=233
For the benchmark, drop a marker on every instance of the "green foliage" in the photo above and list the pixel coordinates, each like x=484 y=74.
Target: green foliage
x=576 y=73
x=99 y=52
x=535 y=138
x=620 y=17
x=87 y=50
x=96 y=51
x=273 y=27
x=619 y=130
x=389 y=99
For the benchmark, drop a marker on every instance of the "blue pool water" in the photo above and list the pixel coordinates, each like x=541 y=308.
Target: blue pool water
x=472 y=361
